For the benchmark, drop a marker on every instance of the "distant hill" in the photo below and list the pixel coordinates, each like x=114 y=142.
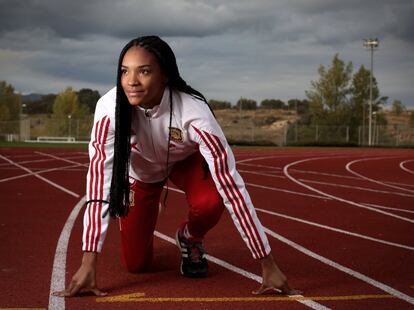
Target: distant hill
x=31 y=97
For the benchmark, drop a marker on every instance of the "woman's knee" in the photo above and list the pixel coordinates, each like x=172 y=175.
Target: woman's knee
x=207 y=206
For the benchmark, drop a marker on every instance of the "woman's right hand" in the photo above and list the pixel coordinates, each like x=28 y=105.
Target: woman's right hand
x=84 y=279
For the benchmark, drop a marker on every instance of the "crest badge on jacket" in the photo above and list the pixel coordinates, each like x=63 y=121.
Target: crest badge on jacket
x=176 y=135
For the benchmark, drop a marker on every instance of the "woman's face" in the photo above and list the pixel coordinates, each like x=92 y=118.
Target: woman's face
x=142 y=79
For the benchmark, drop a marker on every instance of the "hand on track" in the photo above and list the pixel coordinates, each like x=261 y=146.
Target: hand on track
x=84 y=279
x=274 y=281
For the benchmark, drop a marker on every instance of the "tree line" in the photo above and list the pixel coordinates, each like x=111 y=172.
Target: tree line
x=301 y=106
x=86 y=100
x=69 y=102
x=338 y=96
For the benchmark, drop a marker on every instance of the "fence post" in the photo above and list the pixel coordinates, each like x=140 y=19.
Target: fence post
x=296 y=132
x=77 y=129
x=316 y=133
x=347 y=134
x=252 y=132
x=397 y=138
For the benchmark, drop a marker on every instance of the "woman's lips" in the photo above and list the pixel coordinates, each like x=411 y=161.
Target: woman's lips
x=135 y=93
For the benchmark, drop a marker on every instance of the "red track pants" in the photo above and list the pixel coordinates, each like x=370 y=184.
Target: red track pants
x=205 y=209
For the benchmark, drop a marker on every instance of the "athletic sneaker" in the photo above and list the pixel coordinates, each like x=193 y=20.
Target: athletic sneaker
x=193 y=262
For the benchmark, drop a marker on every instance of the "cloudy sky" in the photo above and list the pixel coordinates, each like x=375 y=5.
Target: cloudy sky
x=226 y=49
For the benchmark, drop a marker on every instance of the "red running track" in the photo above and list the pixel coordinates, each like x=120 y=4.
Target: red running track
x=339 y=221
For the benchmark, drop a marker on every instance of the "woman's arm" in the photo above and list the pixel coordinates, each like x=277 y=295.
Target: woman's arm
x=219 y=156
x=98 y=180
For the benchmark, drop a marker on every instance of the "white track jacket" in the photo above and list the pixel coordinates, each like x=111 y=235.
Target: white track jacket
x=193 y=129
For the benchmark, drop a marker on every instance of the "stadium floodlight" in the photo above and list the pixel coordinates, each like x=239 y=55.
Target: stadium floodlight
x=370 y=44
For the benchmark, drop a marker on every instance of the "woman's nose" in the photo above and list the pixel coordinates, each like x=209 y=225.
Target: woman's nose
x=133 y=79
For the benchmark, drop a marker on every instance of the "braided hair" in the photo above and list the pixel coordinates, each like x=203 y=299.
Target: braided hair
x=119 y=191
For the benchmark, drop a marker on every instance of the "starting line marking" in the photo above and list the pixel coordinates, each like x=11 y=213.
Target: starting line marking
x=140 y=297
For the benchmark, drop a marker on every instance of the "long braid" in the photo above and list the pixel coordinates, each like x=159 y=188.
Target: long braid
x=119 y=191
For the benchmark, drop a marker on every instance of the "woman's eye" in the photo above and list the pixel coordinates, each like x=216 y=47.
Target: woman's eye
x=144 y=71
x=123 y=71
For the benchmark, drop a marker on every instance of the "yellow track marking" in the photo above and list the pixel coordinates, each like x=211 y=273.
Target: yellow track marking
x=139 y=297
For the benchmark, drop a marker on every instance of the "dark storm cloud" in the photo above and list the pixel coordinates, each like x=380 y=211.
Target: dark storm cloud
x=227 y=49
x=76 y=19
x=317 y=20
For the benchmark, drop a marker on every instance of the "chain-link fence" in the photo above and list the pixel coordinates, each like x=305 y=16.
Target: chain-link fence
x=253 y=134
x=238 y=131
x=396 y=135
x=46 y=129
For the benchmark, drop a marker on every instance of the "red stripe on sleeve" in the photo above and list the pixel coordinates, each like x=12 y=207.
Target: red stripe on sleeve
x=219 y=159
x=91 y=181
x=246 y=209
x=96 y=181
x=101 y=183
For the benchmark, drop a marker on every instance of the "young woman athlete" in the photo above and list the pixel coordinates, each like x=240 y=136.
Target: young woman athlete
x=150 y=128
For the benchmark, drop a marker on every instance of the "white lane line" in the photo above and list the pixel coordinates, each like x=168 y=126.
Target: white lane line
x=269 y=168
x=262 y=174
x=60 y=158
x=39 y=161
x=342 y=268
x=357 y=187
x=287 y=191
x=42 y=178
x=348 y=167
x=327 y=183
x=57 y=282
x=41 y=171
x=245 y=273
x=387 y=208
x=36 y=169
x=243 y=161
x=327 y=198
x=308 y=195
x=265 y=187
x=403 y=167
x=258 y=158
x=337 y=229
x=286 y=168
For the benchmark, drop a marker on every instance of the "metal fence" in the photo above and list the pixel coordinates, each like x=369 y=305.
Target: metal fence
x=281 y=133
x=396 y=135
x=69 y=130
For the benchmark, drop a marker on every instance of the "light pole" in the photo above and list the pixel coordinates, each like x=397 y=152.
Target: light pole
x=22 y=131
x=70 y=124
x=370 y=44
x=375 y=135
